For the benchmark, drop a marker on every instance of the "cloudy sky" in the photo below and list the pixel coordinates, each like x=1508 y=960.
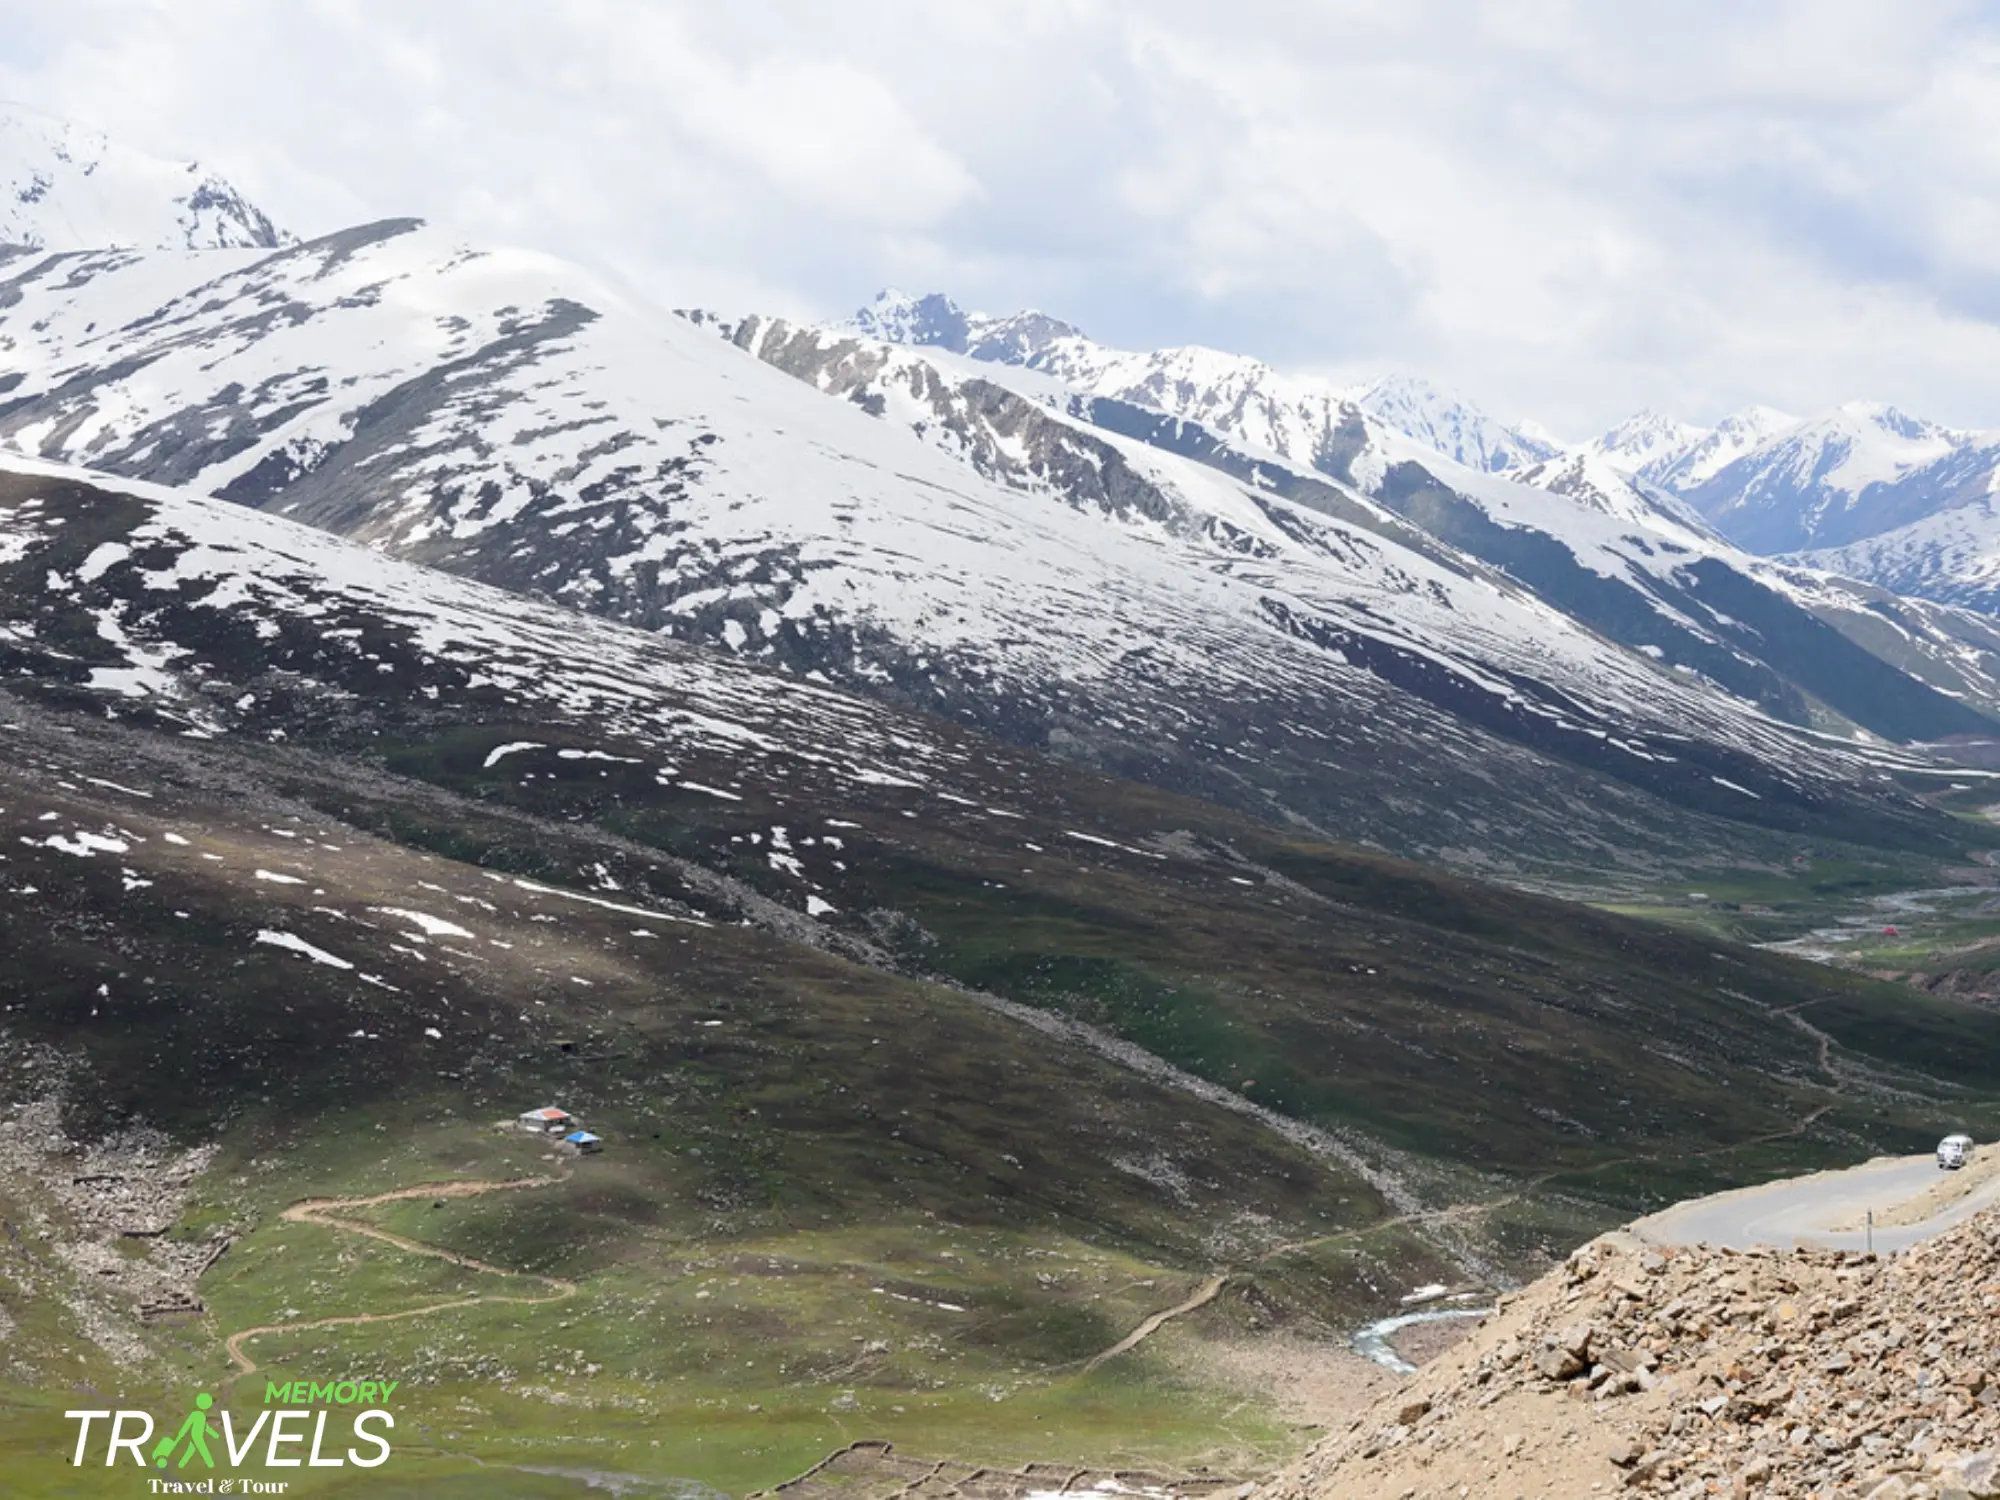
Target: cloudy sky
x=1565 y=209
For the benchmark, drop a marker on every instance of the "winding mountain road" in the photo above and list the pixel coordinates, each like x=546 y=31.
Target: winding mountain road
x=1827 y=1209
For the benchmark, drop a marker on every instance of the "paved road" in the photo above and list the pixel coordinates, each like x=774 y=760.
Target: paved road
x=1799 y=1210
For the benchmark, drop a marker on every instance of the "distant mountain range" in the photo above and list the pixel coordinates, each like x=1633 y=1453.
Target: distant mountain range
x=1865 y=490
x=1772 y=483
x=1180 y=566
x=1678 y=457
x=1294 y=415
x=1622 y=543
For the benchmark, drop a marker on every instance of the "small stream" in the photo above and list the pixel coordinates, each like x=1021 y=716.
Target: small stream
x=1818 y=943
x=1372 y=1342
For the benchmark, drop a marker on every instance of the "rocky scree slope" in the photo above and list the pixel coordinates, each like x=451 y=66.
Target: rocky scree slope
x=1697 y=1372
x=506 y=417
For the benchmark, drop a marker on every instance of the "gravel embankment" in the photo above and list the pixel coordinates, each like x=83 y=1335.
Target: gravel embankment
x=1702 y=1372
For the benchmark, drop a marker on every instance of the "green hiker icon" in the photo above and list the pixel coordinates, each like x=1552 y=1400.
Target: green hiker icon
x=195 y=1430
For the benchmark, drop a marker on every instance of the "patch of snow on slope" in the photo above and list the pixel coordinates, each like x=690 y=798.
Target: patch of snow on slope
x=300 y=946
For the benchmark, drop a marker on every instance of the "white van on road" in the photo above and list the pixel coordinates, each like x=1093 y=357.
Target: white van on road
x=1954 y=1151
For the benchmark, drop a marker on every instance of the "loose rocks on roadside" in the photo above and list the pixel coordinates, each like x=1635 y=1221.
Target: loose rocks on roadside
x=1696 y=1372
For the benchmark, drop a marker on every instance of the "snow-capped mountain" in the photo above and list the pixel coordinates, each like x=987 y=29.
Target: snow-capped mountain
x=1627 y=561
x=1762 y=478
x=1736 y=435
x=935 y=321
x=1855 y=472
x=1865 y=490
x=1177 y=618
x=1452 y=426
x=63 y=187
x=1677 y=456
x=1644 y=444
x=1951 y=555
x=1294 y=412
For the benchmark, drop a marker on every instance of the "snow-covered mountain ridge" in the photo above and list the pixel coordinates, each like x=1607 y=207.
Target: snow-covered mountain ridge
x=1758 y=476
x=1287 y=413
x=193 y=571
x=1951 y=555
x=1623 y=558
x=1177 y=619
x=63 y=187
x=1865 y=489
x=1856 y=471
x=1767 y=481
x=1676 y=456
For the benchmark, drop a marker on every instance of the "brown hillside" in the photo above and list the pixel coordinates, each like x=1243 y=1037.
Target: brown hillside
x=1698 y=1372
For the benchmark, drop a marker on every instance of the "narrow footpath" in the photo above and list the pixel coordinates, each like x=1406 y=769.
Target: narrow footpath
x=325 y=1213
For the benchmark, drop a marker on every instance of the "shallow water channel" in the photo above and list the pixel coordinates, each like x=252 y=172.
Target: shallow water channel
x=1372 y=1342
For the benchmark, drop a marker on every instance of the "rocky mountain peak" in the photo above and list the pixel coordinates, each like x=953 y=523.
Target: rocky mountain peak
x=1018 y=338
x=935 y=321
x=66 y=187
x=932 y=320
x=1648 y=438
x=1422 y=409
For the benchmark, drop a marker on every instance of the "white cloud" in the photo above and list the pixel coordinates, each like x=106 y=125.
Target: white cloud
x=1566 y=208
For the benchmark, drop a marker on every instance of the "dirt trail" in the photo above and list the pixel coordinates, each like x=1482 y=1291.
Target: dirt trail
x=322 y=1211
x=1201 y=1297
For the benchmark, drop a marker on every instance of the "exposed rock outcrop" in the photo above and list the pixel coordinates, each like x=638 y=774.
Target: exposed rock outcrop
x=1699 y=1372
